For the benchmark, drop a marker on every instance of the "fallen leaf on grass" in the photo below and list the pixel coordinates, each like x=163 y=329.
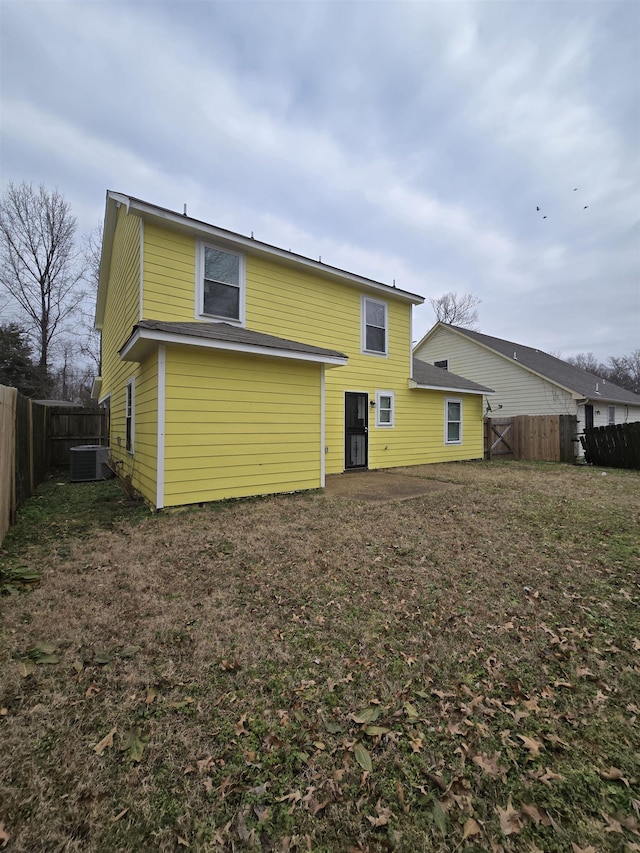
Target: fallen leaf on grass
x=531 y=743
x=26 y=667
x=369 y=715
x=440 y=817
x=536 y=815
x=400 y=793
x=45 y=653
x=416 y=742
x=363 y=758
x=133 y=745
x=613 y=825
x=316 y=807
x=383 y=815
x=107 y=741
x=262 y=812
x=4 y=835
x=150 y=696
x=181 y=842
x=410 y=711
x=577 y=849
x=471 y=827
x=240 y=729
x=375 y=731
x=510 y=822
x=489 y=765
x=613 y=775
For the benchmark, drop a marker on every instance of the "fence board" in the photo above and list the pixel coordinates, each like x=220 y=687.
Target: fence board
x=613 y=446
x=8 y=397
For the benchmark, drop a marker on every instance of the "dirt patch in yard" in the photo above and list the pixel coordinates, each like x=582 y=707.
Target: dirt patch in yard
x=381 y=486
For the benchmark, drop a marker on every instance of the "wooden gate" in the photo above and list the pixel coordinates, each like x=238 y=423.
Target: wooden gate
x=499 y=438
x=537 y=438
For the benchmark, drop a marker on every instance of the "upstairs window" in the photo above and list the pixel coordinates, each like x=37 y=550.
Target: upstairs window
x=452 y=421
x=374 y=326
x=444 y=364
x=221 y=285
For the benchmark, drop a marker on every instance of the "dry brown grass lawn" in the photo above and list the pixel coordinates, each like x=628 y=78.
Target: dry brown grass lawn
x=455 y=671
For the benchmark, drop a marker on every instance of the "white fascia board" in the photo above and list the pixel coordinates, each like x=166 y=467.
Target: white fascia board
x=414 y=384
x=255 y=247
x=96 y=387
x=144 y=339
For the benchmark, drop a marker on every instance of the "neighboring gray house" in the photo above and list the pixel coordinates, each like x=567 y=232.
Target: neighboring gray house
x=527 y=381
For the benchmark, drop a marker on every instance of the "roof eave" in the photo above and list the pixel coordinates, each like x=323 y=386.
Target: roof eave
x=255 y=247
x=143 y=341
x=482 y=392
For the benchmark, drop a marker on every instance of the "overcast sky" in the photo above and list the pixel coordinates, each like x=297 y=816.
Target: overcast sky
x=406 y=141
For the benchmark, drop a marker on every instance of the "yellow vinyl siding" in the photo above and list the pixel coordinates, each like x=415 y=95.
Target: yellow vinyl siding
x=169 y=275
x=143 y=473
x=122 y=310
x=239 y=425
x=308 y=308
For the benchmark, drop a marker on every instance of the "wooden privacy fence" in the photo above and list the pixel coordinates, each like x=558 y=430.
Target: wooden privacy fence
x=23 y=452
x=71 y=427
x=535 y=438
x=614 y=446
x=33 y=438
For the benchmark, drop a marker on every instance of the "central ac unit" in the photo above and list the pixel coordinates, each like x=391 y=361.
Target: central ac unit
x=89 y=462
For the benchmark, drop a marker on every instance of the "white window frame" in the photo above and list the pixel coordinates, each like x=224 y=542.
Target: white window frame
x=392 y=409
x=363 y=327
x=447 y=421
x=242 y=285
x=611 y=415
x=442 y=363
x=130 y=415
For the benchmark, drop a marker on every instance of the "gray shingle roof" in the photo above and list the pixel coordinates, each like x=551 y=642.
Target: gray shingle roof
x=574 y=378
x=437 y=377
x=236 y=335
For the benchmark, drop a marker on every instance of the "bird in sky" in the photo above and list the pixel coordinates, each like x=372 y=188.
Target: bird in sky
x=537 y=208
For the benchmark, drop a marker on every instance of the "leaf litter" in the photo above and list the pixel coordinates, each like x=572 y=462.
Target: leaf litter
x=308 y=672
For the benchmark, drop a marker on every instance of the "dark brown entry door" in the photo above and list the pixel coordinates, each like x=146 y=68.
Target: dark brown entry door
x=356 y=449
x=588 y=416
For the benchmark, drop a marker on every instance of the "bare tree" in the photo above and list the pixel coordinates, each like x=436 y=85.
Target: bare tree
x=587 y=361
x=624 y=370
x=90 y=343
x=39 y=263
x=457 y=310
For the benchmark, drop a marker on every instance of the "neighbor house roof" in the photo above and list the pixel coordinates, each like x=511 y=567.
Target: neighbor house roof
x=436 y=378
x=147 y=334
x=579 y=382
x=186 y=224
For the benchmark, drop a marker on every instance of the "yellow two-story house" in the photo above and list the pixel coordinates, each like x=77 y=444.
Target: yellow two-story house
x=233 y=368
